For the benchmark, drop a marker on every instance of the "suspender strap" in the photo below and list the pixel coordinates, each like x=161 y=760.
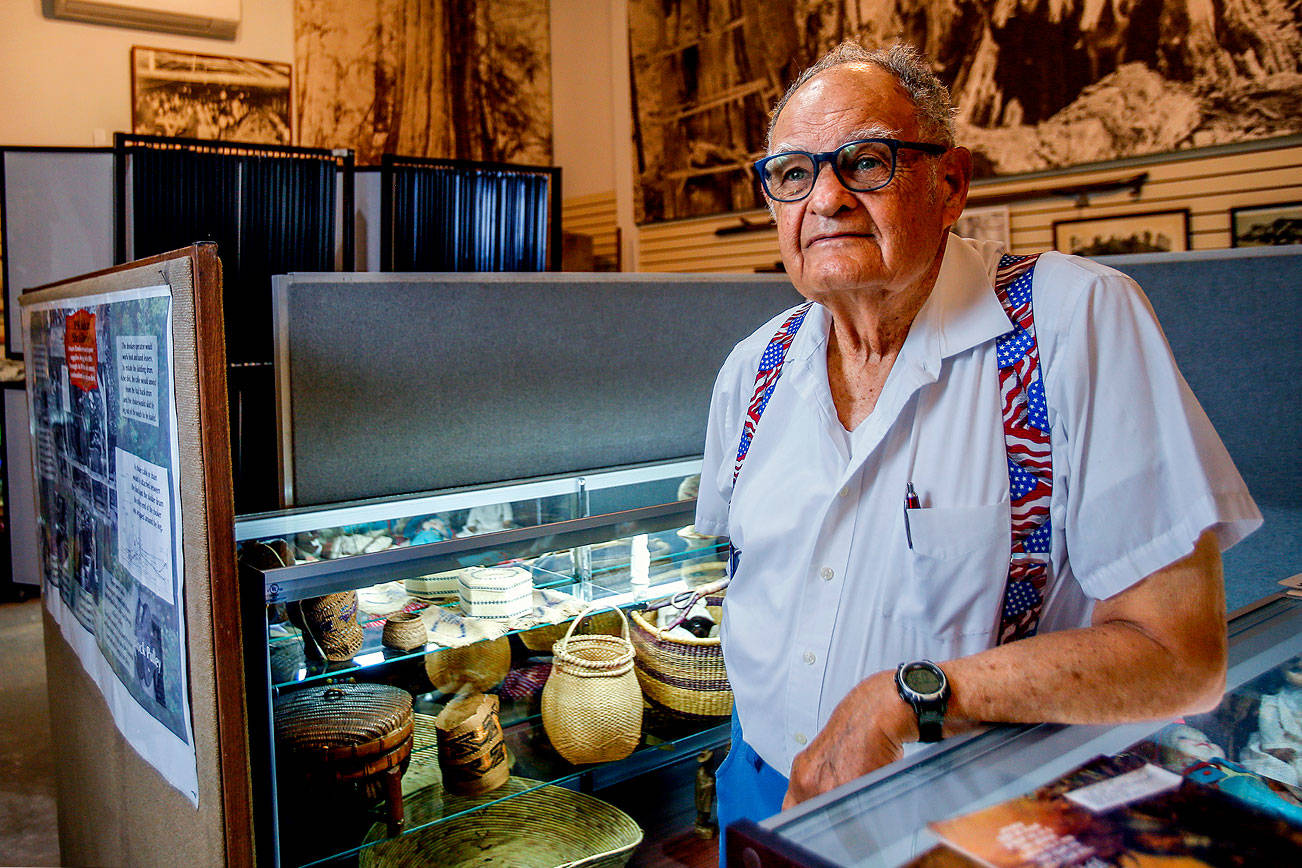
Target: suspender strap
x=766 y=379
x=1030 y=461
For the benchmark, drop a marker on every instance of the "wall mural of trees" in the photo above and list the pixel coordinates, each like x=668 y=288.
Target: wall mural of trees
x=464 y=79
x=1039 y=84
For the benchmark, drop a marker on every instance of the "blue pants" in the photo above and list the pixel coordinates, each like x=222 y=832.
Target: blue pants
x=746 y=786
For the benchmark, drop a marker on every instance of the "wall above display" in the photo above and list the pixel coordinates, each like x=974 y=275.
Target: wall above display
x=462 y=79
x=203 y=96
x=1040 y=85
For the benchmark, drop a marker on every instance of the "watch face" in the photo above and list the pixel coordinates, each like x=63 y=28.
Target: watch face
x=924 y=679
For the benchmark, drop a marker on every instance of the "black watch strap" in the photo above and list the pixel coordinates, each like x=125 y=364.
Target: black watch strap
x=931 y=722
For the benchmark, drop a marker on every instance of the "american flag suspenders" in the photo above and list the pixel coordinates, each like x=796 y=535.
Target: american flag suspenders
x=1026 y=441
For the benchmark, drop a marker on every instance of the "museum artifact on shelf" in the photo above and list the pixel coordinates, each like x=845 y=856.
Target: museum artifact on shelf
x=591 y=704
x=342 y=740
x=471 y=752
x=677 y=669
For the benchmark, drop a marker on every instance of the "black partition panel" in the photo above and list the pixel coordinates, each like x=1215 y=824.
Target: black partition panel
x=440 y=380
x=270 y=209
x=459 y=215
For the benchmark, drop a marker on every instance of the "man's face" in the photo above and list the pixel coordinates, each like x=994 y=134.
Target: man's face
x=835 y=240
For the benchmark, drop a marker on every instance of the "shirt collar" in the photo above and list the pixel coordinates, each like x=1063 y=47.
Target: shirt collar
x=962 y=311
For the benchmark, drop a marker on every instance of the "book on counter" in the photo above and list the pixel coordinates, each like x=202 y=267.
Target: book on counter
x=1119 y=811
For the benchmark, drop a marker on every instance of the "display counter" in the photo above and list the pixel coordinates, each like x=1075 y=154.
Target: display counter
x=336 y=580
x=882 y=819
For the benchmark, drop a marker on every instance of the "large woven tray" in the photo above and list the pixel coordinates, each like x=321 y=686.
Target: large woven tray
x=543 y=828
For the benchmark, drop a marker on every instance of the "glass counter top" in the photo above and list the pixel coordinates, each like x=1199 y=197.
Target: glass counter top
x=881 y=819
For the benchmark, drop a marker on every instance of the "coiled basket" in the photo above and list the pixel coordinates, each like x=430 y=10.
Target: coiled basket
x=591 y=704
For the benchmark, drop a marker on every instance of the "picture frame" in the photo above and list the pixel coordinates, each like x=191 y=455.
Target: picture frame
x=1266 y=225
x=991 y=223
x=209 y=96
x=1150 y=232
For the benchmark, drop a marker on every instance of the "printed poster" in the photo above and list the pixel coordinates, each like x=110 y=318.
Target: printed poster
x=105 y=454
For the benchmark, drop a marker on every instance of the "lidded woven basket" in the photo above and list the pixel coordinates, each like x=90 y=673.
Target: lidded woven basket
x=343 y=721
x=347 y=734
x=591 y=704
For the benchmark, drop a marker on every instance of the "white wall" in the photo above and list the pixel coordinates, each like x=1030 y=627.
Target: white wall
x=61 y=81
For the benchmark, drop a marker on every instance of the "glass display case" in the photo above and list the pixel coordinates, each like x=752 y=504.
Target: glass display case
x=616 y=539
x=882 y=819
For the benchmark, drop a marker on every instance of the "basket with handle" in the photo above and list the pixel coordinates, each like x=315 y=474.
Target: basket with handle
x=684 y=674
x=591 y=704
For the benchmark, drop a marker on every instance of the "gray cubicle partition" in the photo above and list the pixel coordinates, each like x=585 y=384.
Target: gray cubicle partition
x=1234 y=322
x=58 y=220
x=396 y=383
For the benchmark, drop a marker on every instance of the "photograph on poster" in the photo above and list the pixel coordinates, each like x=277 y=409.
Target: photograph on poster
x=985 y=224
x=1266 y=225
x=1038 y=85
x=1155 y=232
x=203 y=96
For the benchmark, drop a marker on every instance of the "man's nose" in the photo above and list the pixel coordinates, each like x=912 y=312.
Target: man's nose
x=829 y=194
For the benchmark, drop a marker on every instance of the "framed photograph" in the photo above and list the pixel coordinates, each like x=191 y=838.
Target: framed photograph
x=204 y=96
x=986 y=224
x=1154 y=232
x=1266 y=224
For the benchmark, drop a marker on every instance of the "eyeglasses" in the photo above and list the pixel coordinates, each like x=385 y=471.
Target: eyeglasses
x=861 y=166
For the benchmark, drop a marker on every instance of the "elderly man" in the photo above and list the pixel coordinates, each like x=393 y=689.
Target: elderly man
x=947 y=455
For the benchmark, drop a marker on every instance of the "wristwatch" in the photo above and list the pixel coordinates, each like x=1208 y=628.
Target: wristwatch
x=923 y=685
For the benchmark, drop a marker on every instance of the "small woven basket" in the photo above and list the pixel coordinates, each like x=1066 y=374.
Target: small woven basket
x=475 y=668
x=404 y=631
x=543 y=638
x=331 y=622
x=471 y=751
x=537 y=826
x=591 y=704
x=685 y=675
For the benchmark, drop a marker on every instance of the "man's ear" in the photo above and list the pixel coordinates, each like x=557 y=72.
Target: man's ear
x=956 y=176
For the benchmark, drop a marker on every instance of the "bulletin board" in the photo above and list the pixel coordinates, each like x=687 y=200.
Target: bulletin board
x=131 y=456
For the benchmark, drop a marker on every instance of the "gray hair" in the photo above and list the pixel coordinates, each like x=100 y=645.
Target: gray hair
x=908 y=66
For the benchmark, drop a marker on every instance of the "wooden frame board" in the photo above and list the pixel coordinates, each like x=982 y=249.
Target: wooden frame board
x=114 y=807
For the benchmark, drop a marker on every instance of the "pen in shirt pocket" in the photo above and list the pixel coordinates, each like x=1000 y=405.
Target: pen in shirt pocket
x=910 y=502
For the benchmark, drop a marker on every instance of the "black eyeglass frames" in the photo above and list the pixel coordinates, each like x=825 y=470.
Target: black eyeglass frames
x=861 y=166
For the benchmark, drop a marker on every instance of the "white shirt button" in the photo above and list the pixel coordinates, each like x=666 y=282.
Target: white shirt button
x=845 y=492
x=827 y=574
x=810 y=658
x=800 y=738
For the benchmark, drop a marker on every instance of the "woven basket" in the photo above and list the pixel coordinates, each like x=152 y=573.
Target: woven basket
x=538 y=827
x=684 y=675
x=543 y=638
x=331 y=621
x=591 y=704
x=404 y=631
x=471 y=751
x=475 y=668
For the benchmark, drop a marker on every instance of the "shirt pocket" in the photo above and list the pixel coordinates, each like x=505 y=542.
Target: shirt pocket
x=958 y=568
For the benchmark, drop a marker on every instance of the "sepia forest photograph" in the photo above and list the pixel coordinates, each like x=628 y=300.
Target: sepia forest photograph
x=1038 y=84
x=457 y=79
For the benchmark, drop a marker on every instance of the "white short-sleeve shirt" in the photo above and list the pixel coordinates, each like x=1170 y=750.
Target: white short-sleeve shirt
x=829 y=591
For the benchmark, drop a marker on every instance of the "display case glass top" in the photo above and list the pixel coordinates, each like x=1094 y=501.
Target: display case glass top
x=882 y=819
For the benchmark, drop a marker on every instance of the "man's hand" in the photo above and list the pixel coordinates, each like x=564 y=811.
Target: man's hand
x=867 y=730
